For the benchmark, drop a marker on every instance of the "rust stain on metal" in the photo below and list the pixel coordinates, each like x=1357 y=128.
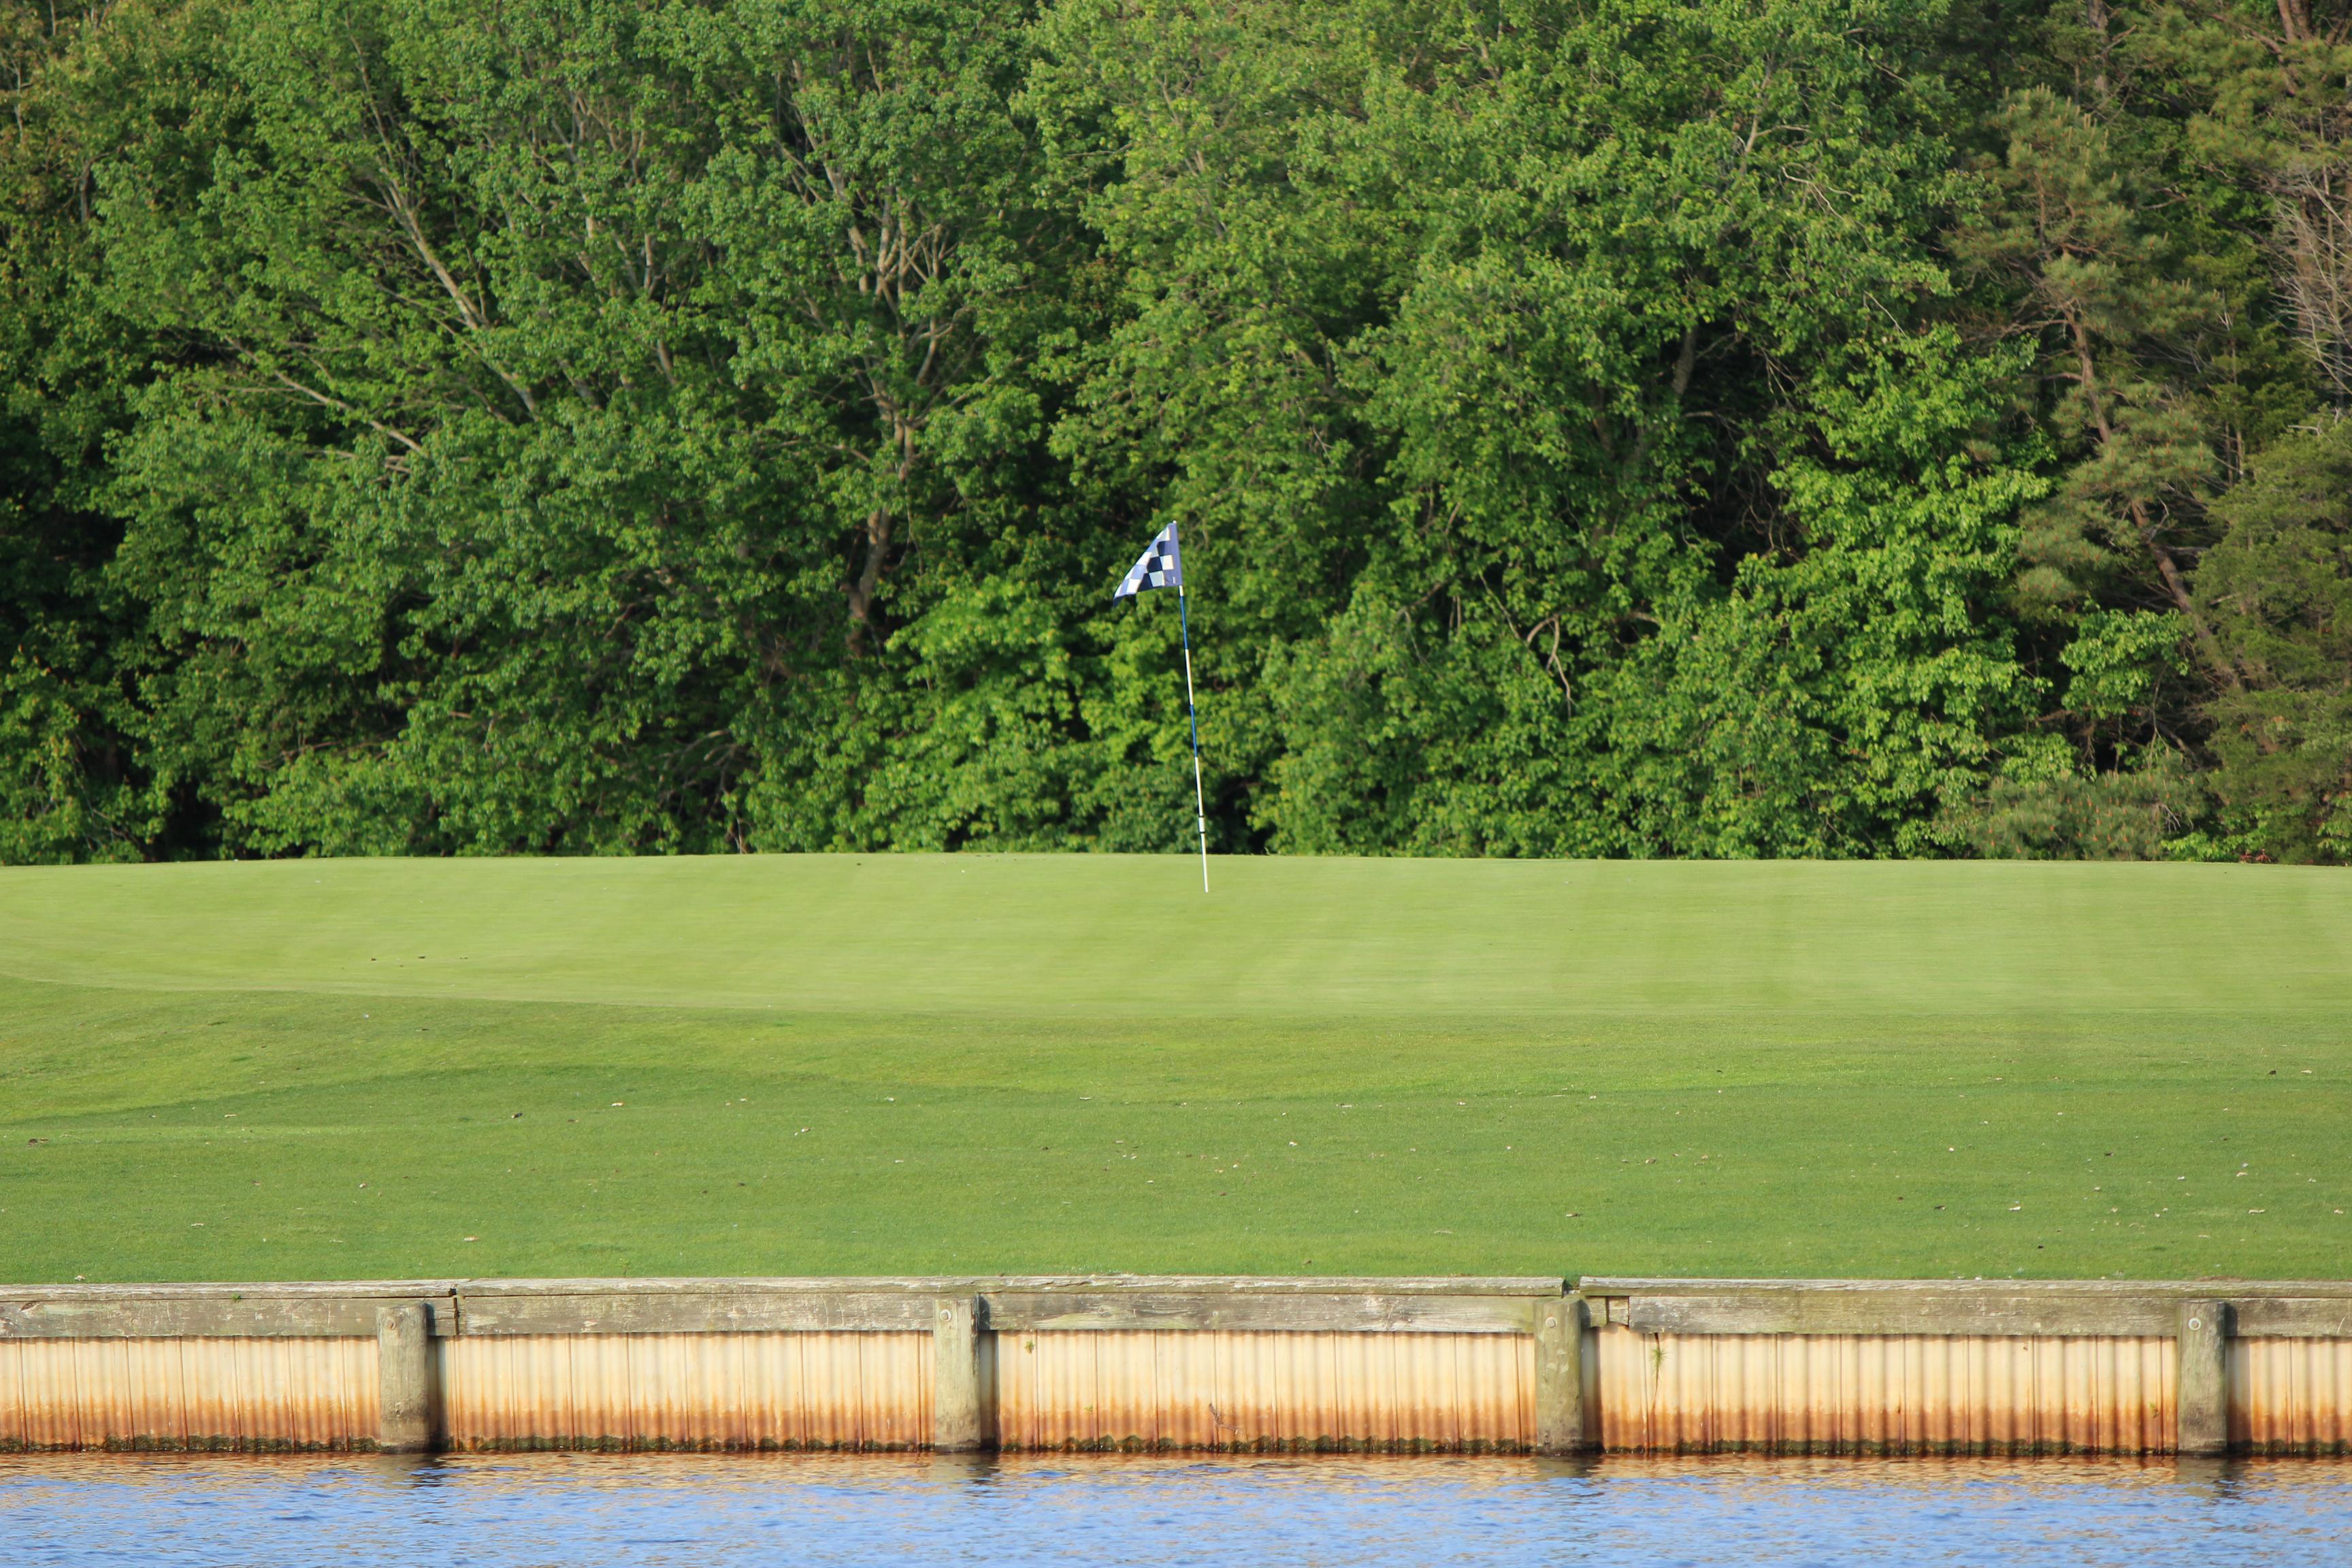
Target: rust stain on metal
x=2290 y=1395
x=726 y=1391
x=1265 y=1391
x=1883 y=1394
x=188 y=1393
x=191 y=1373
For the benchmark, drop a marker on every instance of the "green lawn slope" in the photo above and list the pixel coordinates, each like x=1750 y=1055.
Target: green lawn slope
x=781 y=1065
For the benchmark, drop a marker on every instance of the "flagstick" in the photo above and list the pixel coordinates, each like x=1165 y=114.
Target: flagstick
x=1200 y=809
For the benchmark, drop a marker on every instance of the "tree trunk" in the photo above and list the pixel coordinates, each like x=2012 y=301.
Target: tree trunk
x=869 y=575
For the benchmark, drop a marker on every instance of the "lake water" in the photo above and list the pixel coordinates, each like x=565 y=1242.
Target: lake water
x=712 y=1512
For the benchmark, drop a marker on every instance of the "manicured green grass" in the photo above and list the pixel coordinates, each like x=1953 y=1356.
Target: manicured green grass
x=865 y=1065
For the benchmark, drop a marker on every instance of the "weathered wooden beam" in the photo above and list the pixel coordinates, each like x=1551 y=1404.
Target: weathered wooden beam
x=1953 y=1313
x=725 y=1306
x=2086 y=1309
x=1559 y=1376
x=1592 y=1285
x=2319 y=1309
x=2201 y=1390
x=2290 y=1317
x=956 y=1395
x=1022 y=1312
x=403 y=1349
x=208 y=1290
x=1250 y=1284
x=187 y=1317
x=690 y=1312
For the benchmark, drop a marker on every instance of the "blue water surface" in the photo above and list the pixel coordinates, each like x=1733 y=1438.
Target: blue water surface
x=713 y=1511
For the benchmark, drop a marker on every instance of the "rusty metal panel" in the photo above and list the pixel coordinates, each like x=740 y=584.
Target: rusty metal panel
x=205 y=1393
x=1160 y=1389
x=789 y=1390
x=1885 y=1394
x=2290 y=1395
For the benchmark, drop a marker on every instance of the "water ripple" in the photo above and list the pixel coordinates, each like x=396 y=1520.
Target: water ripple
x=523 y=1511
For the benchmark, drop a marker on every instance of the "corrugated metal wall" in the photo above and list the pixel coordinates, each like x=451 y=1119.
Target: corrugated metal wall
x=687 y=1391
x=188 y=1393
x=1301 y=1388
x=1255 y=1391
x=2290 y=1397
x=1846 y=1393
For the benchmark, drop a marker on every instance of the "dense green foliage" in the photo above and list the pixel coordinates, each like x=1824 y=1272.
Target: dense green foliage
x=1616 y=427
x=402 y=1068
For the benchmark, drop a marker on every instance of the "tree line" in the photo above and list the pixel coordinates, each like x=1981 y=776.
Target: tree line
x=1618 y=428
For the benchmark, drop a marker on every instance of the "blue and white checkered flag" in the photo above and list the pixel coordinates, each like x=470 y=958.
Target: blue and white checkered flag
x=1162 y=566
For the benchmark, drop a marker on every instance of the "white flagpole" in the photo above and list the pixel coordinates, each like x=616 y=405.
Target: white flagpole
x=1199 y=808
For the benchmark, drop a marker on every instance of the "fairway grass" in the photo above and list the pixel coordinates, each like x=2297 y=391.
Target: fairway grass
x=842 y=1065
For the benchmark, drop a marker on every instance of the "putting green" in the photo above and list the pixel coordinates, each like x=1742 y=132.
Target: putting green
x=900 y=1064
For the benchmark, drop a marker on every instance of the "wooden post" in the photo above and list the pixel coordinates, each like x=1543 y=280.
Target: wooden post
x=1559 y=1376
x=2202 y=1389
x=955 y=1380
x=403 y=1348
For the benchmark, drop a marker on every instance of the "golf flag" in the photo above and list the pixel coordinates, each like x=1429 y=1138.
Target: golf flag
x=1162 y=566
